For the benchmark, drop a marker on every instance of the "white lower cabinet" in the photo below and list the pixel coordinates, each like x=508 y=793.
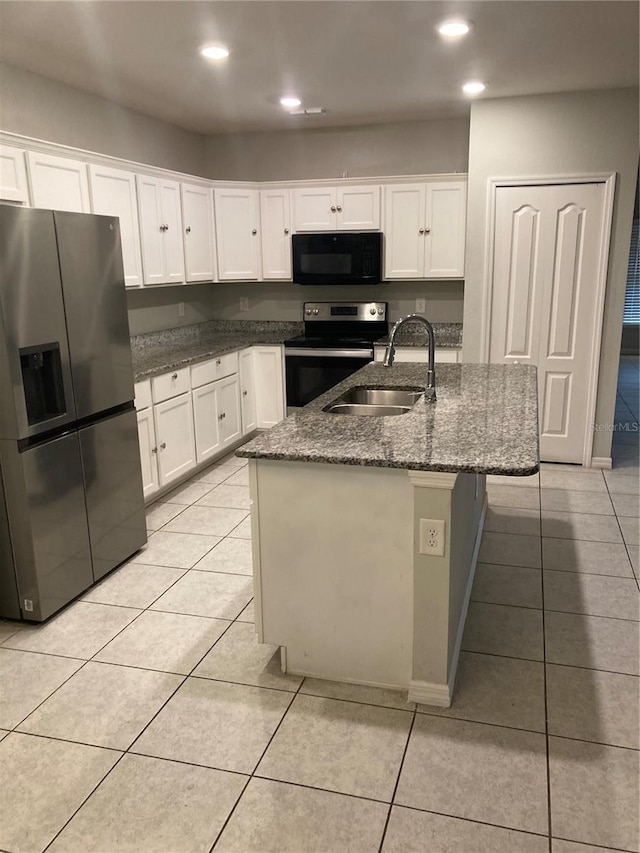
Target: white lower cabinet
x=148 y=452
x=216 y=416
x=229 y=415
x=268 y=367
x=247 y=392
x=205 y=421
x=174 y=434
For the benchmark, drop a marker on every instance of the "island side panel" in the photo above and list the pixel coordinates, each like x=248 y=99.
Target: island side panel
x=333 y=568
x=442 y=584
x=468 y=507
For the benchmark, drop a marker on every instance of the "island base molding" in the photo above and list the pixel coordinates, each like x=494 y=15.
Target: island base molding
x=340 y=581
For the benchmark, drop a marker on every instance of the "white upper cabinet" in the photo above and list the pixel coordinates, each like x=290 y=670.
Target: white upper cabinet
x=58 y=183
x=314 y=209
x=358 y=208
x=275 y=231
x=197 y=220
x=424 y=227
x=237 y=238
x=113 y=193
x=13 y=175
x=336 y=209
x=160 y=230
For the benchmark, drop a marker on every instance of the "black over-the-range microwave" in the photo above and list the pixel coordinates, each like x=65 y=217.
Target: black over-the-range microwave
x=346 y=257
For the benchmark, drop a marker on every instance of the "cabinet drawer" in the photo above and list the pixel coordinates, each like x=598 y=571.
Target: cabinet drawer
x=170 y=385
x=142 y=394
x=215 y=368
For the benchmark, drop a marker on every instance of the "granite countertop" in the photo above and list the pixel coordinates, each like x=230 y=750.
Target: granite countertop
x=414 y=335
x=160 y=352
x=485 y=420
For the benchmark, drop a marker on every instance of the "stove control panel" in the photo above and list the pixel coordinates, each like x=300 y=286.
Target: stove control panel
x=357 y=312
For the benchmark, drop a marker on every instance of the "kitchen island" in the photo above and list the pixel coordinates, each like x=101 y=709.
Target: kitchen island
x=347 y=580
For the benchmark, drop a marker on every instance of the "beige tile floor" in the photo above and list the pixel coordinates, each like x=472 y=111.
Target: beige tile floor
x=146 y=717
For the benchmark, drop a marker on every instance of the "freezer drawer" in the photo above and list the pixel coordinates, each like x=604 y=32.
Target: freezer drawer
x=47 y=524
x=113 y=484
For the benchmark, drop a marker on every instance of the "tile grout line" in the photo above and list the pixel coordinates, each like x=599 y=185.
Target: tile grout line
x=253 y=772
x=395 y=787
x=626 y=545
x=544 y=684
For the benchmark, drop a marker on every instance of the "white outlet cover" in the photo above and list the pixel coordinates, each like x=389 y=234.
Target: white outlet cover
x=432 y=536
x=421 y=306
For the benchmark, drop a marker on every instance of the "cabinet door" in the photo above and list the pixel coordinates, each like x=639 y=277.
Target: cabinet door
x=237 y=239
x=151 y=236
x=13 y=175
x=358 y=208
x=275 y=227
x=174 y=433
x=206 y=419
x=229 y=405
x=172 y=233
x=247 y=392
x=268 y=369
x=148 y=452
x=197 y=218
x=445 y=229
x=113 y=193
x=314 y=209
x=404 y=231
x=58 y=183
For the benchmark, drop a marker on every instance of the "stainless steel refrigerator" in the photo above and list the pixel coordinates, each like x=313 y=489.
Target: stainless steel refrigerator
x=71 y=502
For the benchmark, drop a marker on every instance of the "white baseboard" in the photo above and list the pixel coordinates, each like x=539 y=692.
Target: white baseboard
x=440 y=695
x=601 y=462
x=428 y=693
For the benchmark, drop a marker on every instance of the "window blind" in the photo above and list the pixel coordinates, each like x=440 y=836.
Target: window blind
x=632 y=299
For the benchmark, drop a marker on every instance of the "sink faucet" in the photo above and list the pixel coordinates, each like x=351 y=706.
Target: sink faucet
x=390 y=352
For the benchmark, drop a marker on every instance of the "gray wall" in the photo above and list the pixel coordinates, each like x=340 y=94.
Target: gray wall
x=559 y=134
x=34 y=106
x=408 y=148
x=157 y=307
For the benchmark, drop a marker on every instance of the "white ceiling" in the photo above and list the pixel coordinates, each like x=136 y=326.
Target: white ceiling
x=365 y=61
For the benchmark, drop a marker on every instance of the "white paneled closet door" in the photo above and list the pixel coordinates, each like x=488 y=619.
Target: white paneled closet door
x=545 y=307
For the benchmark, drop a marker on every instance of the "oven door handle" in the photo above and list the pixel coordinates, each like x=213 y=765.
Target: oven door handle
x=364 y=354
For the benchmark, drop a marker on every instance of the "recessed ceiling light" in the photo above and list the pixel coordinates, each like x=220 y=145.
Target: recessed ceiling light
x=214 y=51
x=454 y=28
x=473 y=87
x=290 y=101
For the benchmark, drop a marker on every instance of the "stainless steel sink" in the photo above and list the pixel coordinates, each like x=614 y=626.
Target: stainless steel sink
x=365 y=409
x=375 y=402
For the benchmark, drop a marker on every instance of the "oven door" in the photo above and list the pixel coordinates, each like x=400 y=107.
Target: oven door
x=311 y=372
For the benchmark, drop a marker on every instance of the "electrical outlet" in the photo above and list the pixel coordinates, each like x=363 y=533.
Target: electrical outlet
x=421 y=306
x=432 y=532
x=180 y=309
x=244 y=303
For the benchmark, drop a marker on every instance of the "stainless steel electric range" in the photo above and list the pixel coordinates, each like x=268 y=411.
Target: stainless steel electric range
x=338 y=339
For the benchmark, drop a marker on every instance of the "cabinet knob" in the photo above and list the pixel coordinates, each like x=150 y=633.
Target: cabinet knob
x=333 y=208
x=218 y=361
x=427 y=230
x=188 y=229
x=254 y=231
x=166 y=227
x=154 y=449
x=163 y=445
x=220 y=417
x=421 y=231
x=162 y=227
x=174 y=375
x=224 y=415
x=286 y=230
x=244 y=393
x=339 y=208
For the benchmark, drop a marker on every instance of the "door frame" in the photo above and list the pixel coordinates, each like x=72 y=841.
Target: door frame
x=609 y=181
